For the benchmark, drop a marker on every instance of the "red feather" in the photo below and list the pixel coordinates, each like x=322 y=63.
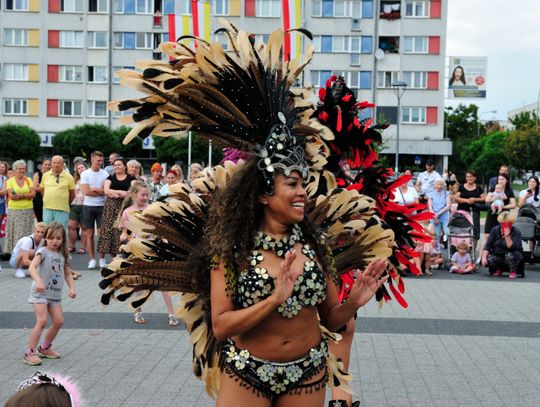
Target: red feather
x=338 y=123
x=322 y=94
x=346 y=98
x=401 y=301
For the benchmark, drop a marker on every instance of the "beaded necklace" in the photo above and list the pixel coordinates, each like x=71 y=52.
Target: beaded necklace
x=309 y=288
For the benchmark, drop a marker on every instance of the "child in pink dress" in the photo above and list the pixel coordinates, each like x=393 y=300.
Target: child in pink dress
x=461 y=261
x=425 y=249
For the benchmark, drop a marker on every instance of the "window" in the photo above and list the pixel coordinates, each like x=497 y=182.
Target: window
x=319 y=78
x=416 y=45
x=15 y=72
x=367 y=44
x=390 y=45
x=17 y=5
x=15 y=37
x=168 y=7
x=415 y=79
x=387 y=114
x=341 y=43
x=145 y=7
x=97 y=74
x=417 y=8
x=367 y=8
x=97 y=6
x=413 y=115
x=70 y=73
x=124 y=40
x=17 y=107
x=70 y=108
x=185 y=7
x=124 y=6
x=97 y=39
x=386 y=78
x=258 y=38
x=326 y=43
x=72 y=6
x=116 y=79
x=336 y=8
x=144 y=41
x=221 y=7
x=267 y=8
x=71 y=39
x=365 y=79
x=96 y=108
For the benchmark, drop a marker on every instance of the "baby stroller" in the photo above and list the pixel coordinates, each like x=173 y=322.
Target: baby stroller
x=461 y=227
x=528 y=221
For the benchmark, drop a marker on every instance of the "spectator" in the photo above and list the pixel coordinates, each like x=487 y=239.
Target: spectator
x=3 y=190
x=24 y=250
x=92 y=181
x=179 y=173
x=426 y=180
x=503 y=250
x=116 y=188
x=110 y=168
x=493 y=180
x=439 y=204
x=76 y=212
x=38 y=198
x=135 y=169
x=469 y=198
x=461 y=262
x=155 y=183
x=530 y=194
x=449 y=177
x=20 y=221
x=194 y=171
x=58 y=189
x=406 y=194
x=170 y=179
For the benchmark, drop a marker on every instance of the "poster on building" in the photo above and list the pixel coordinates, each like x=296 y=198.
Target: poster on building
x=467 y=78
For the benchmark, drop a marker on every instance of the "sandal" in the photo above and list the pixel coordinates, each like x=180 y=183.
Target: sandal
x=76 y=275
x=71 y=250
x=138 y=318
x=81 y=251
x=173 y=321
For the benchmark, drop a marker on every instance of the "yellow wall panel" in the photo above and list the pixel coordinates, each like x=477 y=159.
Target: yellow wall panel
x=33 y=5
x=234 y=8
x=33 y=72
x=33 y=38
x=33 y=107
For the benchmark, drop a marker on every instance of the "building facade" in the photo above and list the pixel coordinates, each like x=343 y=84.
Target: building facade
x=58 y=57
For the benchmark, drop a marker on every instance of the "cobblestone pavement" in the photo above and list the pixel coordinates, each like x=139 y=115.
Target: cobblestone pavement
x=463 y=341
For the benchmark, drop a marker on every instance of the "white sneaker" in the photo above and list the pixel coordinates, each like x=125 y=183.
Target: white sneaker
x=19 y=273
x=92 y=264
x=102 y=263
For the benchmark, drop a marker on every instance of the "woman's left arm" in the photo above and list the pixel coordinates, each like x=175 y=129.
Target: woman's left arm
x=447 y=206
x=333 y=314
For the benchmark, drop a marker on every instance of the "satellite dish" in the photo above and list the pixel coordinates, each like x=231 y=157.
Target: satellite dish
x=379 y=54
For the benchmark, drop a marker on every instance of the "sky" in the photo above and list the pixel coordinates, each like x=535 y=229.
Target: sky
x=508 y=33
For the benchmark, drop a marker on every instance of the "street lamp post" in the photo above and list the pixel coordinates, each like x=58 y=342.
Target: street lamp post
x=478 y=121
x=399 y=89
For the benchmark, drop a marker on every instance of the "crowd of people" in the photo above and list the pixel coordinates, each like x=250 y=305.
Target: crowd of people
x=444 y=196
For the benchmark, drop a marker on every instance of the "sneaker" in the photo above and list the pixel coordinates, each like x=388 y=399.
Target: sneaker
x=512 y=275
x=102 y=263
x=92 y=264
x=32 y=359
x=428 y=273
x=19 y=273
x=138 y=318
x=173 y=321
x=498 y=273
x=48 y=353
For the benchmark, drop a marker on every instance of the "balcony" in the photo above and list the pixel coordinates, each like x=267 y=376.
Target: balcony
x=390 y=45
x=390 y=10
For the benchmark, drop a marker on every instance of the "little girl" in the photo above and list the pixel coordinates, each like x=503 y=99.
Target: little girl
x=49 y=269
x=461 y=261
x=425 y=249
x=136 y=201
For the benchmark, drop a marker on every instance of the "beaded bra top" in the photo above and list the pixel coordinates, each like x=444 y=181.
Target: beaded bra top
x=255 y=284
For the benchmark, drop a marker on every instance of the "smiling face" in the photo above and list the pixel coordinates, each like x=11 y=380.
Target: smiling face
x=46 y=165
x=38 y=233
x=470 y=178
x=140 y=198
x=80 y=168
x=502 y=180
x=57 y=163
x=119 y=167
x=134 y=170
x=532 y=184
x=458 y=73
x=286 y=206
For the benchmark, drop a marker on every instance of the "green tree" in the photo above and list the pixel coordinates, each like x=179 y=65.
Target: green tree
x=486 y=154
x=171 y=149
x=133 y=148
x=524 y=120
x=522 y=148
x=18 y=141
x=82 y=140
x=461 y=125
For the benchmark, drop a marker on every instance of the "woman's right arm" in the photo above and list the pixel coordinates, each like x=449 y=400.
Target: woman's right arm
x=33 y=270
x=227 y=321
x=489 y=197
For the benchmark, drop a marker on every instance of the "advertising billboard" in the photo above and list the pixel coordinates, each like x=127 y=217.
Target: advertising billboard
x=467 y=78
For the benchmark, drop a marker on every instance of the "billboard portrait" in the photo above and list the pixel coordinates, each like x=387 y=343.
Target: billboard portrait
x=467 y=78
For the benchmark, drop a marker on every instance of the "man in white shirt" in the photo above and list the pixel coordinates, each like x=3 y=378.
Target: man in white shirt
x=426 y=180
x=24 y=250
x=92 y=181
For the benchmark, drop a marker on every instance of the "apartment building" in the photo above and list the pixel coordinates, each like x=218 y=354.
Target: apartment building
x=58 y=57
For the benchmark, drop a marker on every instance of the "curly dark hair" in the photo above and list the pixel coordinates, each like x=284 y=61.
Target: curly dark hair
x=234 y=219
